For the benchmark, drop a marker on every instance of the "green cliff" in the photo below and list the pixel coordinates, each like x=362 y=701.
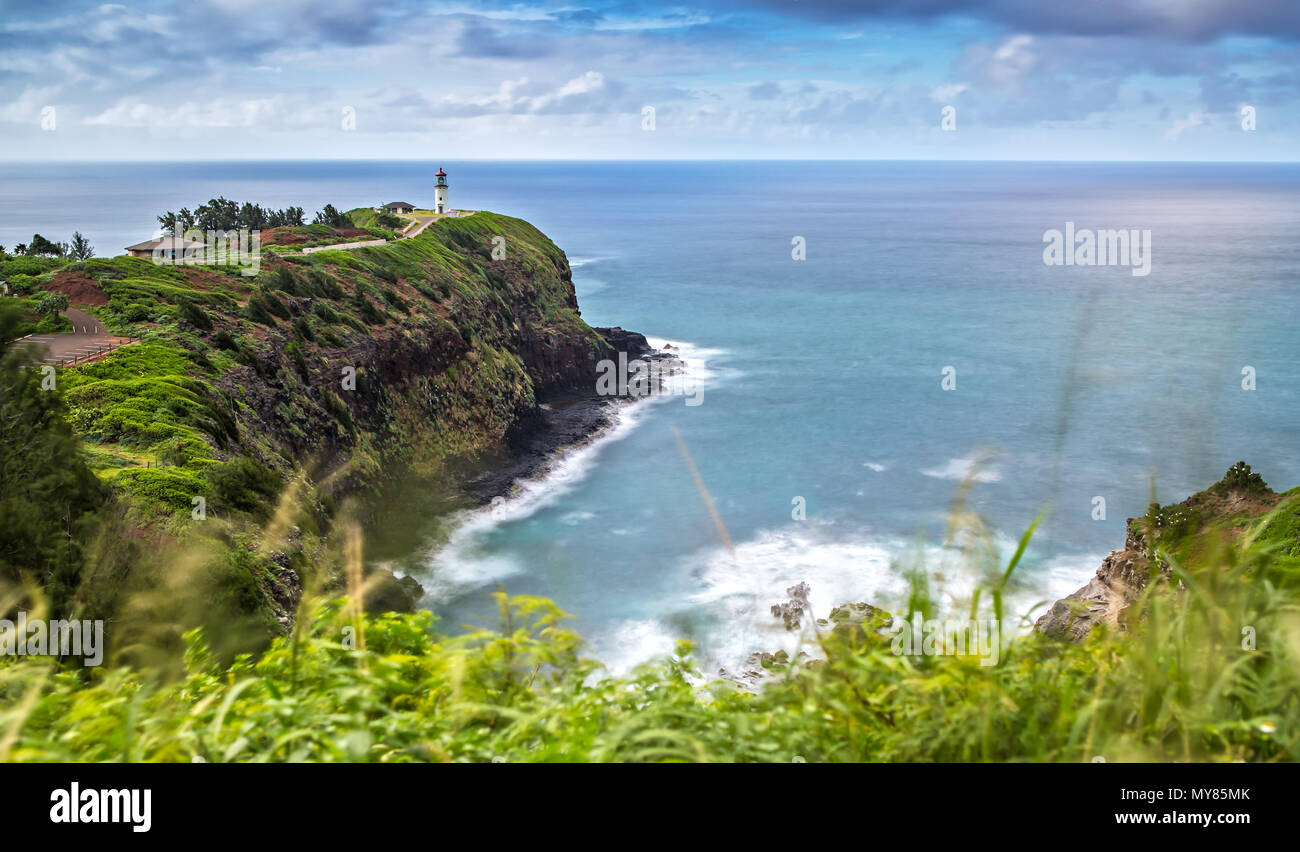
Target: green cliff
x=255 y=407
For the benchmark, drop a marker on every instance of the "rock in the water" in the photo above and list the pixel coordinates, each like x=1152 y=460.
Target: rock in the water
x=791 y=612
x=386 y=592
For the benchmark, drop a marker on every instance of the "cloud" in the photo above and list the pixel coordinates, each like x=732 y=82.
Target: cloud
x=811 y=78
x=190 y=114
x=1190 y=20
x=590 y=91
x=482 y=40
x=1195 y=119
x=947 y=93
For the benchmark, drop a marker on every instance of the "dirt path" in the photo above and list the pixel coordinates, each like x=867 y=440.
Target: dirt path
x=425 y=221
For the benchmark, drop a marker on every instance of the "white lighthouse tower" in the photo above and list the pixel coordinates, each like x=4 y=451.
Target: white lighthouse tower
x=440 y=194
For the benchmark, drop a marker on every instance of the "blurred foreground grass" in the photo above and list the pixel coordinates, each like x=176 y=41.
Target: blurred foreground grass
x=1181 y=684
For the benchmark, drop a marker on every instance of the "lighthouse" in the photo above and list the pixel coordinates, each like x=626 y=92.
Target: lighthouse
x=440 y=194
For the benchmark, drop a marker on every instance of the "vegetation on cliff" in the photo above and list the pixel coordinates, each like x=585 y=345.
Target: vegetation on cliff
x=309 y=379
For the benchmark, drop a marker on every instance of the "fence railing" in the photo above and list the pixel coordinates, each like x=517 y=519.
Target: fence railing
x=94 y=352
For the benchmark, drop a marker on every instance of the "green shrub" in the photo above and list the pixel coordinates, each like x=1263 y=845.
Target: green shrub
x=195 y=316
x=53 y=324
x=256 y=311
x=1240 y=478
x=170 y=487
x=294 y=350
x=52 y=303
x=243 y=484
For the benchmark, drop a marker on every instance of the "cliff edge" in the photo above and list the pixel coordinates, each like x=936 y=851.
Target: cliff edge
x=1174 y=532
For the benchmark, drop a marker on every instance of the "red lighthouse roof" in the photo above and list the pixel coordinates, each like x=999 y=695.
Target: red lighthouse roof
x=441 y=173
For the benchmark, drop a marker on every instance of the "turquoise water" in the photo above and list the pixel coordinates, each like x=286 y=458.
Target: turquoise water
x=823 y=375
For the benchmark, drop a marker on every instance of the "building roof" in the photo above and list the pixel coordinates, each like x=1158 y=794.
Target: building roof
x=166 y=243
x=399 y=204
x=440 y=173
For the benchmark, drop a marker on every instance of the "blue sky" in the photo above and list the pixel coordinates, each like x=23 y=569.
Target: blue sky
x=1025 y=79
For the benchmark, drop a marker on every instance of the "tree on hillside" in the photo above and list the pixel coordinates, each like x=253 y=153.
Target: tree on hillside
x=49 y=498
x=332 y=217
x=41 y=246
x=222 y=214
x=81 y=248
x=287 y=217
x=176 y=224
x=219 y=214
x=252 y=216
x=52 y=303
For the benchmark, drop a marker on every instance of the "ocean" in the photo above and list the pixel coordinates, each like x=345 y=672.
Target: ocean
x=822 y=379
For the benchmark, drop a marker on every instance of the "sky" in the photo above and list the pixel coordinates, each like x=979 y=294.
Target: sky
x=781 y=79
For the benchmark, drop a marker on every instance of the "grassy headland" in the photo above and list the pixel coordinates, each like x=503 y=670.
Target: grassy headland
x=273 y=399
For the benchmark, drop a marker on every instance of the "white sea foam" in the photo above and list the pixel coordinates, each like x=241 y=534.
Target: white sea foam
x=875 y=466
x=699 y=362
x=961 y=468
x=737 y=590
x=631 y=643
x=577 y=262
x=465 y=561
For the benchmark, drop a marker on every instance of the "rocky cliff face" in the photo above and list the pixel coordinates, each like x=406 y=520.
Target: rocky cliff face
x=1178 y=529
x=1120 y=579
x=455 y=358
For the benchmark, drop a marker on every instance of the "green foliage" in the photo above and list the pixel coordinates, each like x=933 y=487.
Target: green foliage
x=294 y=350
x=256 y=311
x=52 y=303
x=332 y=217
x=243 y=484
x=396 y=301
x=222 y=214
x=1240 y=478
x=195 y=316
x=1167 y=525
x=52 y=324
x=224 y=340
x=365 y=217
x=167 y=487
x=302 y=326
x=80 y=247
x=41 y=246
x=369 y=313
x=325 y=312
x=48 y=496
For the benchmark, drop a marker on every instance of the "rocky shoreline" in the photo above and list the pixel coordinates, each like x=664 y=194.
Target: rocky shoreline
x=563 y=422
